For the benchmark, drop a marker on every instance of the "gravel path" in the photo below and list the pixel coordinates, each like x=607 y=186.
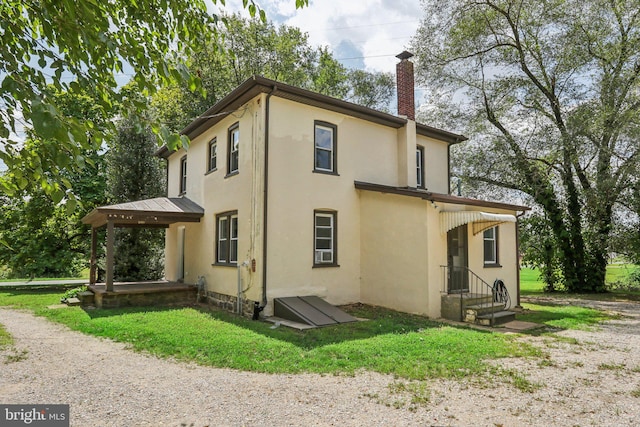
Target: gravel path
x=588 y=378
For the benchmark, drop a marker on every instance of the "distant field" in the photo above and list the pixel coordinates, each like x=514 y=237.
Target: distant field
x=530 y=283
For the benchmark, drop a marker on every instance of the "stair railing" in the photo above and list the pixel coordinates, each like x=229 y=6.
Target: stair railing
x=463 y=281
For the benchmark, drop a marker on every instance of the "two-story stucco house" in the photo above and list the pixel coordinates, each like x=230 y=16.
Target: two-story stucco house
x=304 y=194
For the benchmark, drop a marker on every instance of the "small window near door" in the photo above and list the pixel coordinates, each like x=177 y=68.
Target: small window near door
x=490 y=237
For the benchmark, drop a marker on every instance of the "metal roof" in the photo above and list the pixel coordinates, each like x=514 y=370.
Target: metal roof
x=437 y=197
x=159 y=212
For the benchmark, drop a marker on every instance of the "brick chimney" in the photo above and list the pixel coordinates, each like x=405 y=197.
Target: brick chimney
x=405 y=86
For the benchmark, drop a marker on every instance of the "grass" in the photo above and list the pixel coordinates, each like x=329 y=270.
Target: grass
x=564 y=316
x=531 y=285
x=5 y=338
x=403 y=345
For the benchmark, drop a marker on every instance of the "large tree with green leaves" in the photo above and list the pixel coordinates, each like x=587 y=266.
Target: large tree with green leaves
x=81 y=47
x=282 y=53
x=40 y=236
x=550 y=92
x=134 y=173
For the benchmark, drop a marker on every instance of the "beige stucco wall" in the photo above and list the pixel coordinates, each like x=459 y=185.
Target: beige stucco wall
x=395 y=252
x=365 y=152
x=218 y=193
x=436 y=161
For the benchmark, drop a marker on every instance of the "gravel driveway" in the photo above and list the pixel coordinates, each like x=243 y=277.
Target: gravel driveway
x=589 y=378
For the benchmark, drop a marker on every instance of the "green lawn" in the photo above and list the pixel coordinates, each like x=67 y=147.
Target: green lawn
x=564 y=316
x=530 y=283
x=406 y=346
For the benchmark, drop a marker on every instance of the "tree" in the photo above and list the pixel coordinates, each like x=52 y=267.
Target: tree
x=43 y=237
x=45 y=42
x=371 y=89
x=552 y=98
x=280 y=53
x=134 y=173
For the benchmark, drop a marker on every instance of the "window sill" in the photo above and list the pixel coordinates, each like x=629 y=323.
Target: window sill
x=229 y=175
x=325 y=265
x=492 y=266
x=182 y=193
x=325 y=172
x=210 y=171
x=221 y=264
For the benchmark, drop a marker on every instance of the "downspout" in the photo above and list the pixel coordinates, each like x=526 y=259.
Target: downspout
x=518 y=258
x=258 y=308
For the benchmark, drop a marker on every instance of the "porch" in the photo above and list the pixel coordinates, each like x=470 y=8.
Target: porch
x=151 y=213
x=134 y=294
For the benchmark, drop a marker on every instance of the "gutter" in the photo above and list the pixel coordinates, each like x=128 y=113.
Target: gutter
x=518 y=258
x=266 y=203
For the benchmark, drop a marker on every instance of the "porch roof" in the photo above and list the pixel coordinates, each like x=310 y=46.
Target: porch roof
x=158 y=212
x=438 y=197
x=479 y=220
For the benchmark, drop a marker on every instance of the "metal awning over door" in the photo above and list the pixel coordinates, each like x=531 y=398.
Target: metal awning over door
x=480 y=221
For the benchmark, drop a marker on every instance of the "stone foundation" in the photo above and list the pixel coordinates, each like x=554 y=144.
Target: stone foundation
x=229 y=302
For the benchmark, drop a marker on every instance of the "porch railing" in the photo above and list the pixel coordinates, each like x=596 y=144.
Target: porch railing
x=466 y=283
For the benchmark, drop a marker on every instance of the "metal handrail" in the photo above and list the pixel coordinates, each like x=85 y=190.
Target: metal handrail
x=463 y=281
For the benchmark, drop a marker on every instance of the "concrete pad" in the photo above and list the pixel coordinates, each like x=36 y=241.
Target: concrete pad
x=519 y=325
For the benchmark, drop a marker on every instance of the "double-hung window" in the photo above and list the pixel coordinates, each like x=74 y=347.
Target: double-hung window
x=213 y=155
x=183 y=175
x=233 y=149
x=227 y=238
x=490 y=237
x=325 y=143
x=325 y=253
x=420 y=166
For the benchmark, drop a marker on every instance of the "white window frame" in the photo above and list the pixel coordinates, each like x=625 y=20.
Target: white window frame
x=324 y=256
x=213 y=155
x=490 y=235
x=420 y=166
x=332 y=150
x=227 y=233
x=233 y=149
x=183 y=175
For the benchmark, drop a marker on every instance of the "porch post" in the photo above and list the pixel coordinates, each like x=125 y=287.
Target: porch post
x=110 y=241
x=93 y=262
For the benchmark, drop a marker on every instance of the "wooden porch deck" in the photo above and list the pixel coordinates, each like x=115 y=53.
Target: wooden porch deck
x=148 y=293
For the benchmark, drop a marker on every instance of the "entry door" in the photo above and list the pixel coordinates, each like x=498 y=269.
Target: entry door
x=180 y=257
x=457 y=259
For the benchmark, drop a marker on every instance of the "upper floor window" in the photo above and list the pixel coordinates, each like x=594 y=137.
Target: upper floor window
x=420 y=166
x=490 y=237
x=233 y=149
x=183 y=175
x=325 y=140
x=213 y=155
x=227 y=238
x=325 y=237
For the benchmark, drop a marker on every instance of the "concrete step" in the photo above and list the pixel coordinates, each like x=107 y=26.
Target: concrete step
x=486 y=307
x=497 y=318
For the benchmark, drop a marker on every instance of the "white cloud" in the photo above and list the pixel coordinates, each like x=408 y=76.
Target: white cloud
x=374 y=31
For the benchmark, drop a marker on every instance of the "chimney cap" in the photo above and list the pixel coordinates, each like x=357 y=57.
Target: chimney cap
x=404 y=55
